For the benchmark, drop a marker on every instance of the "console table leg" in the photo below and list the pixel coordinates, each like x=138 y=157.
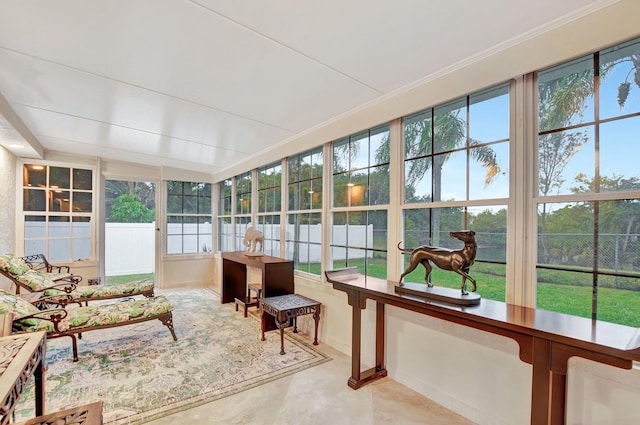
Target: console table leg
x=316 y=318
x=380 y=319
x=541 y=382
x=356 y=329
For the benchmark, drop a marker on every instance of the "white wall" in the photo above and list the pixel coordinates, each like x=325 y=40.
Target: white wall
x=7 y=207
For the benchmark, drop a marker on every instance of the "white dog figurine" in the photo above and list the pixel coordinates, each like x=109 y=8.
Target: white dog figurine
x=253 y=238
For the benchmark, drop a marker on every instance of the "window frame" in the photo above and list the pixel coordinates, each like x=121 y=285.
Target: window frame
x=196 y=218
x=46 y=213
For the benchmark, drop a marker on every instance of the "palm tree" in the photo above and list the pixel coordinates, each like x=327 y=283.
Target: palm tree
x=448 y=132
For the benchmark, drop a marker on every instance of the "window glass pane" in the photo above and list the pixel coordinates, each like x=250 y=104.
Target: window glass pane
x=357 y=189
x=224 y=234
x=294 y=196
x=59 y=250
x=189 y=204
x=564 y=158
x=174 y=204
x=190 y=244
x=620 y=80
x=489 y=115
x=341 y=190
x=59 y=227
x=417 y=135
x=225 y=197
x=190 y=225
x=34 y=175
x=359 y=151
x=59 y=201
x=81 y=228
x=314 y=195
x=379 y=185
x=174 y=225
x=418 y=180
x=487 y=171
x=619 y=154
x=174 y=244
x=81 y=249
x=59 y=178
x=317 y=163
x=204 y=204
x=34 y=200
x=82 y=201
x=565 y=95
x=341 y=155
x=35 y=226
x=450 y=123
x=241 y=226
x=82 y=179
x=379 y=145
x=35 y=246
x=451 y=169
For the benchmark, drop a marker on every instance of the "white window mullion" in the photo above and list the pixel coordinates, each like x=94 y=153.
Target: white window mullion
x=521 y=222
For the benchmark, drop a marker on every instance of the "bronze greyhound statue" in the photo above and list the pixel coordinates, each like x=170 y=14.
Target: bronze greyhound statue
x=459 y=260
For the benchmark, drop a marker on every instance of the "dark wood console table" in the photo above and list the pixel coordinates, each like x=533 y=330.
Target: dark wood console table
x=277 y=277
x=21 y=356
x=546 y=339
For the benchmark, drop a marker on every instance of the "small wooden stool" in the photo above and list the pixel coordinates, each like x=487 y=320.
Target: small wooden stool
x=250 y=301
x=257 y=288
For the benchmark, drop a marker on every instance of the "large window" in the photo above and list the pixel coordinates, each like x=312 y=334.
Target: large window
x=361 y=179
x=189 y=218
x=456 y=159
x=225 y=203
x=588 y=259
x=242 y=217
x=361 y=169
x=269 y=206
x=304 y=217
x=58 y=212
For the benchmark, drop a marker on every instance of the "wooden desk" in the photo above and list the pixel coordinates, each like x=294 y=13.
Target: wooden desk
x=277 y=275
x=285 y=309
x=546 y=339
x=21 y=356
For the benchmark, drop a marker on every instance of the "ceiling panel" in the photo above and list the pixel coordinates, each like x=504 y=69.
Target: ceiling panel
x=203 y=84
x=389 y=44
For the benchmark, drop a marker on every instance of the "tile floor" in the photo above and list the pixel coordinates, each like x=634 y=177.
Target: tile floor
x=319 y=396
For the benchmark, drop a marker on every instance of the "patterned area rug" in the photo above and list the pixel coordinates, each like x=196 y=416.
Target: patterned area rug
x=141 y=374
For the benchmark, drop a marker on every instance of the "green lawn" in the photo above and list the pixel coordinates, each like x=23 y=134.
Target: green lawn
x=112 y=280
x=565 y=295
x=570 y=293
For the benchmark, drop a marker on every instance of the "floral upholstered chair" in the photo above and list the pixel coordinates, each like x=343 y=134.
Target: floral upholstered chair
x=61 y=322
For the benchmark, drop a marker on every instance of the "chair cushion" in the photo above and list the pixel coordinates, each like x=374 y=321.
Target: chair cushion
x=17 y=307
x=120 y=289
x=13 y=265
x=103 y=314
x=37 y=281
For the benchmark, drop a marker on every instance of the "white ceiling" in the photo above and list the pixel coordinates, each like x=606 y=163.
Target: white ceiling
x=201 y=85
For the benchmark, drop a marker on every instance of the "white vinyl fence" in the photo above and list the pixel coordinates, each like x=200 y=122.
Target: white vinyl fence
x=129 y=248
